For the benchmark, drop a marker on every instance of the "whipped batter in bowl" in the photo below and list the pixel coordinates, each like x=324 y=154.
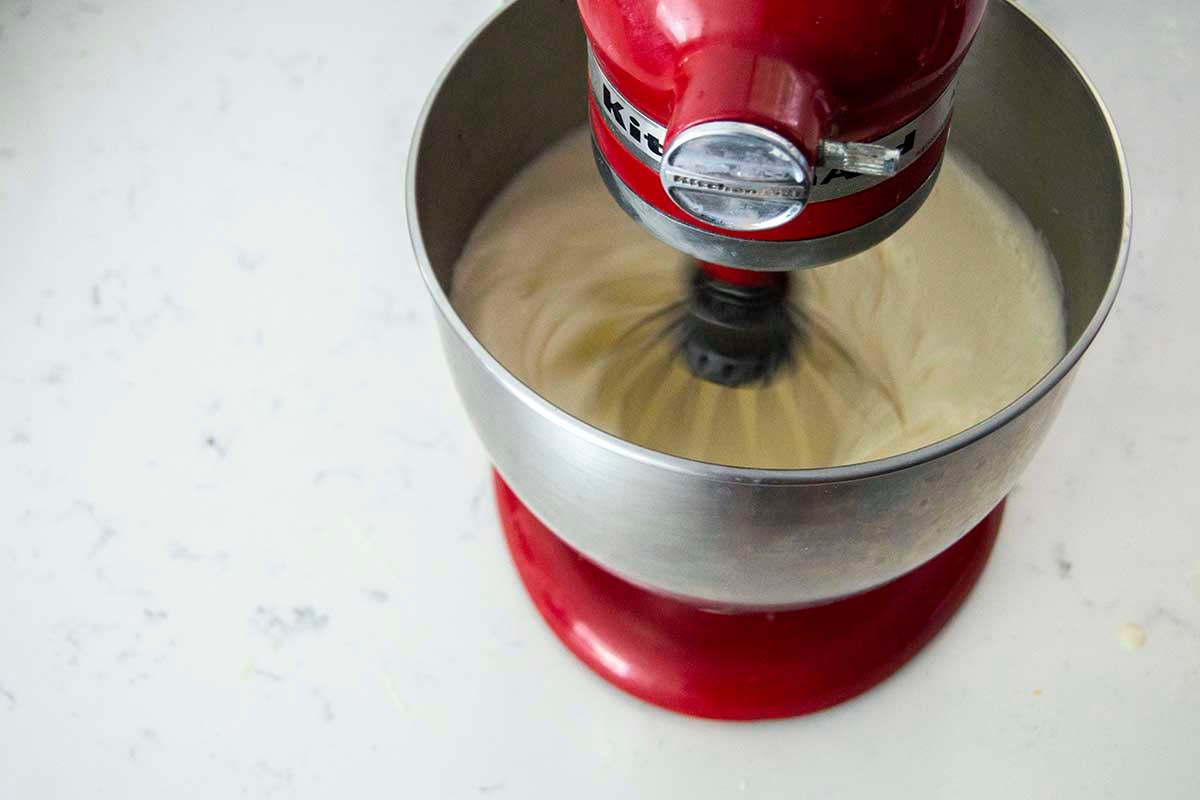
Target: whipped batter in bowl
x=928 y=333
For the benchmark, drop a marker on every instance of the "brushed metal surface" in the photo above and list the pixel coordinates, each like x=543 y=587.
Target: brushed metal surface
x=745 y=538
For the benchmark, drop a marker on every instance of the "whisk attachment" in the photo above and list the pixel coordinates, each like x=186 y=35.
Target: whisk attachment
x=736 y=332
x=739 y=362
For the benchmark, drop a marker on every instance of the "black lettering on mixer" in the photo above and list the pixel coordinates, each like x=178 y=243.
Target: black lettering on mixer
x=640 y=134
x=635 y=130
x=617 y=112
x=613 y=108
x=838 y=174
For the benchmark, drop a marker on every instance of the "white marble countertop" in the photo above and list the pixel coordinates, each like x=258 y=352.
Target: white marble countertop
x=246 y=543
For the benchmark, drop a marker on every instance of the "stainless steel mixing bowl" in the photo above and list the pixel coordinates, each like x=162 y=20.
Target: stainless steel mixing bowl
x=730 y=537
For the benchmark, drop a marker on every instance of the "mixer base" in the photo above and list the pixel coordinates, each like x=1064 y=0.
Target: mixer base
x=742 y=666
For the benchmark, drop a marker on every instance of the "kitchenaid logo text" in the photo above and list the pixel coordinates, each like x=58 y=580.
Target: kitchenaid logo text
x=788 y=192
x=643 y=136
x=616 y=112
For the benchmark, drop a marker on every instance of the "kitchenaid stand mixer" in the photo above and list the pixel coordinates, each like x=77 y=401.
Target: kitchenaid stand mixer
x=746 y=593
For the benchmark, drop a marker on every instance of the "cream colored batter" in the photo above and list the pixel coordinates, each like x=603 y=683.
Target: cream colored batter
x=945 y=323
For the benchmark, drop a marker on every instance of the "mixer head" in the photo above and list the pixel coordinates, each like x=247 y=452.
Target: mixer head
x=773 y=134
x=768 y=135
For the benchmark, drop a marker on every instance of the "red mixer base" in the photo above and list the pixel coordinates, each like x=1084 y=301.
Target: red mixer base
x=737 y=666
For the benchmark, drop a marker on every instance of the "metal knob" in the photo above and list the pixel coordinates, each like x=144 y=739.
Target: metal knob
x=736 y=175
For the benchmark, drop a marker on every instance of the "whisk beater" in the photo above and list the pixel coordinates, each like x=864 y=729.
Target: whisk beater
x=719 y=372
x=738 y=327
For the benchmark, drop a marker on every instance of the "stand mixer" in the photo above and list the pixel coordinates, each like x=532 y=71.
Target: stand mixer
x=757 y=139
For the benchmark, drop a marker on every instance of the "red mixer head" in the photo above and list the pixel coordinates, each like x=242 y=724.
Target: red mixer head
x=773 y=134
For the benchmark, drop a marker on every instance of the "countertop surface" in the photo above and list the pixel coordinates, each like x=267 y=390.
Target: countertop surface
x=247 y=543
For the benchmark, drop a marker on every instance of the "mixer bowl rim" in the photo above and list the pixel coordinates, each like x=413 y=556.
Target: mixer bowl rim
x=753 y=475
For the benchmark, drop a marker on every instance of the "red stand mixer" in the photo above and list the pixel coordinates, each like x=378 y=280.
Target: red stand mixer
x=758 y=137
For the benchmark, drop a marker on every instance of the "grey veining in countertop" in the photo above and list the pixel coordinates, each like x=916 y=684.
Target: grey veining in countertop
x=247 y=545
